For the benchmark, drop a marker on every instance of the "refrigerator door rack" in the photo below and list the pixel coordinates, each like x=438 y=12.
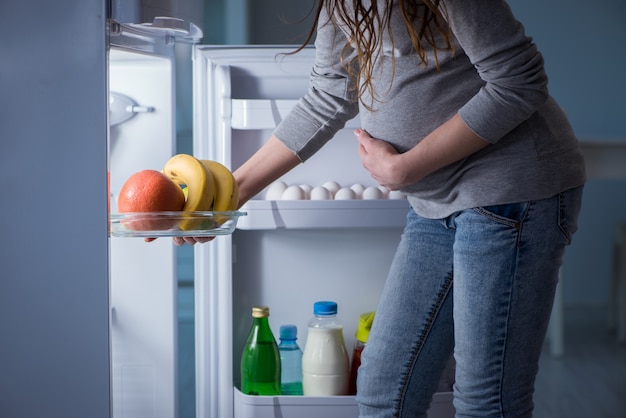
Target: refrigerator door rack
x=168 y=224
x=155 y=37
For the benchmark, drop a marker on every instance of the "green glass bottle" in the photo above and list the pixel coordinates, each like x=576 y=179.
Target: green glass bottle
x=260 y=360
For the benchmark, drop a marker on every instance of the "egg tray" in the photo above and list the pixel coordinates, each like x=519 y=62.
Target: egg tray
x=173 y=224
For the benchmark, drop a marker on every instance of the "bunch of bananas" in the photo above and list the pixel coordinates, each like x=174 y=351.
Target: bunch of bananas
x=210 y=186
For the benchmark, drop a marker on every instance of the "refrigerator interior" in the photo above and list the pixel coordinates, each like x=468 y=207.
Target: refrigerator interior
x=284 y=254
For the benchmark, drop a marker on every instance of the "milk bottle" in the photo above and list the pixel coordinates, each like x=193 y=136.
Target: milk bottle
x=325 y=364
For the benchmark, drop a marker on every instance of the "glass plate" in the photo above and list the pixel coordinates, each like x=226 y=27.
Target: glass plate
x=174 y=224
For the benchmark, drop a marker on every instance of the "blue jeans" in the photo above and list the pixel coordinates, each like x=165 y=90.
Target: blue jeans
x=478 y=284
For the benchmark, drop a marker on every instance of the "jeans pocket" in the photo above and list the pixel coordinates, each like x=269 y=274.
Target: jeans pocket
x=510 y=214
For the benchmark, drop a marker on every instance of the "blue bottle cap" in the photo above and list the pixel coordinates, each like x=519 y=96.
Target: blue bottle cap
x=288 y=332
x=325 y=308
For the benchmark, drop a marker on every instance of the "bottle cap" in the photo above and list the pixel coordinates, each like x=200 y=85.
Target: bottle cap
x=365 y=324
x=288 y=332
x=260 y=312
x=325 y=308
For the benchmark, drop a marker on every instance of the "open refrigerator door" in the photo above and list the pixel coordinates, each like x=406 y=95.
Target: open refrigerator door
x=143 y=285
x=286 y=254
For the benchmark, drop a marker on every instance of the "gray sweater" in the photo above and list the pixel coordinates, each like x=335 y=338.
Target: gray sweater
x=494 y=80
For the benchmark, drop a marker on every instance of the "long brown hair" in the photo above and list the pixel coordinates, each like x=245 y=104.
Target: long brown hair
x=424 y=21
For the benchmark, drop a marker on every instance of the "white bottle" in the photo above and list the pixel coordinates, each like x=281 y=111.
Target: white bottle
x=325 y=364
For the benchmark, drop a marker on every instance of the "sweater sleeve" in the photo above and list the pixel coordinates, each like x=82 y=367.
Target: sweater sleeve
x=505 y=59
x=330 y=101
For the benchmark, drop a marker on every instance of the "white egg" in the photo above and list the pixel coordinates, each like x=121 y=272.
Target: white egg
x=384 y=191
x=358 y=190
x=275 y=190
x=396 y=195
x=345 y=193
x=320 y=193
x=307 y=190
x=332 y=187
x=372 y=193
x=293 y=193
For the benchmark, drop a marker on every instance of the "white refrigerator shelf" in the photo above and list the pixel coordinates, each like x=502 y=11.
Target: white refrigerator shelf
x=319 y=214
x=250 y=114
x=247 y=406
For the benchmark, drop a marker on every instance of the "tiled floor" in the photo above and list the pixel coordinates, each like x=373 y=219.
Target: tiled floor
x=589 y=381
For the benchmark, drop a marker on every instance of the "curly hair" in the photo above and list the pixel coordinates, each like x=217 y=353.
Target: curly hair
x=366 y=24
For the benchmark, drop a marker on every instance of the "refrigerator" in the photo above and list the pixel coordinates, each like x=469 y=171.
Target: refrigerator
x=285 y=254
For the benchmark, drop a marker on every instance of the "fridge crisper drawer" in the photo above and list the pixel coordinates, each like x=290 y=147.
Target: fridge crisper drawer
x=314 y=407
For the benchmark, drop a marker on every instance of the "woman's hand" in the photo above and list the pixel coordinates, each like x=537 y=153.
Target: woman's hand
x=179 y=241
x=447 y=144
x=382 y=161
x=266 y=165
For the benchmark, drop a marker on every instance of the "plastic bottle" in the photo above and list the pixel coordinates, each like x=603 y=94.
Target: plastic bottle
x=362 y=334
x=325 y=364
x=290 y=361
x=260 y=360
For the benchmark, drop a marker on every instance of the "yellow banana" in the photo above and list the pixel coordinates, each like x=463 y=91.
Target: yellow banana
x=188 y=170
x=226 y=188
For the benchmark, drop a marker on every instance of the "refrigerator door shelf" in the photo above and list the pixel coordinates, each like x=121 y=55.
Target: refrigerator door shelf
x=313 y=407
x=306 y=214
x=157 y=37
